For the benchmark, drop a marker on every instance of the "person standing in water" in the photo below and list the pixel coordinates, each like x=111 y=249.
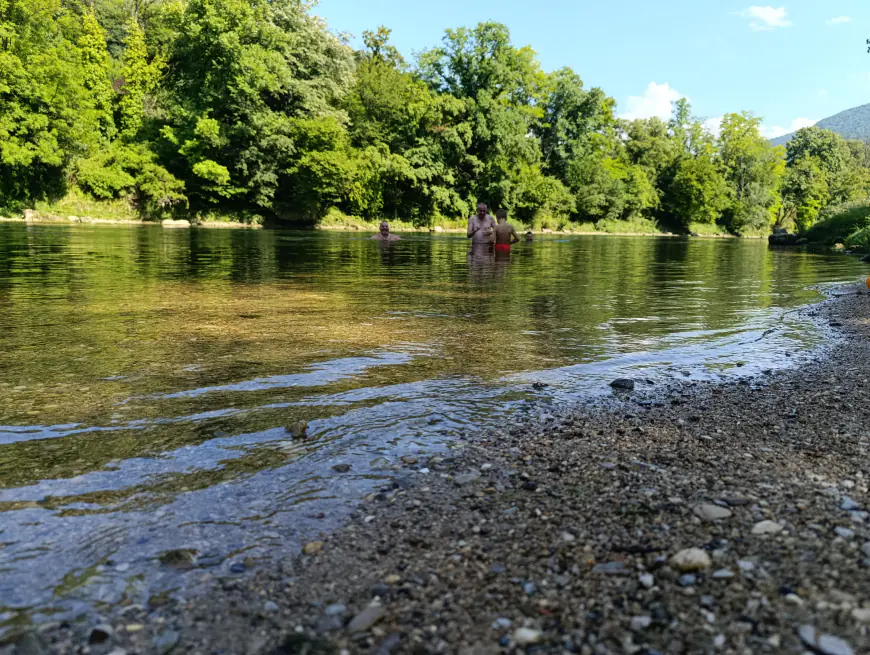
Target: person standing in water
x=384 y=233
x=480 y=226
x=505 y=234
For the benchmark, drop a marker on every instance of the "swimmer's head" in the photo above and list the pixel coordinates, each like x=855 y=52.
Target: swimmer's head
x=384 y=228
x=501 y=214
x=481 y=210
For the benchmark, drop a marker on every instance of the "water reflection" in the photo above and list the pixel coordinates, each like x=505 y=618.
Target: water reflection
x=148 y=374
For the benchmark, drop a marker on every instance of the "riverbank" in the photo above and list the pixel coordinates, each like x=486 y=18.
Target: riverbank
x=697 y=518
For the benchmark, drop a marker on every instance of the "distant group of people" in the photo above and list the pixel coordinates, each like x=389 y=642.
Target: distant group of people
x=483 y=229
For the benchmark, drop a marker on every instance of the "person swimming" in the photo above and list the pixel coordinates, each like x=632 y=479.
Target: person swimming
x=504 y=234
x=530 y=236
x=384 y=233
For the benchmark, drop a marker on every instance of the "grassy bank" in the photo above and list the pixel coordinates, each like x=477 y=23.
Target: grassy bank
x=841 y=223
x=336 y=220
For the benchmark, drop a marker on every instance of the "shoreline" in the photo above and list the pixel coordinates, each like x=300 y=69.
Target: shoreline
x=561 y=536
x=75 y=220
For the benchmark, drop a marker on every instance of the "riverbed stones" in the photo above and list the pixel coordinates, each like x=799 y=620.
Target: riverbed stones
x=849 y=505
x=623 y=384
x=691 y=560
x=341 y=468
x=766 y=527
x=467 y=477
x=710 y=512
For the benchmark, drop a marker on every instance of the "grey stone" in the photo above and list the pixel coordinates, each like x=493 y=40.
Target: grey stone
x=525 y=636
x=336 y=609
x=341 y=468
x=849 y=505
x=823 y=643
x=30 y=643
x=329 y=623
x=467 y=477
x=687 y=580
x=501 y=624
x=610 y=568
x=623 y=383
x=166 y=641
x=101 y=634
x=647 y=580
x=270 y=606
x=639 y=623
x=366 y=619
x=766 y=527
x=710 y=512
x=723 y=574
x=866 y=549
x=845 y=533
x=530 y=588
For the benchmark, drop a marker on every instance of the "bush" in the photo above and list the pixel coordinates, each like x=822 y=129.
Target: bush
x=840 y=222
x=130 y=171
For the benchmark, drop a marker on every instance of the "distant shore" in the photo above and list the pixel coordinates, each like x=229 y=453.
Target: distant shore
x=41 y=219
x=692 y=518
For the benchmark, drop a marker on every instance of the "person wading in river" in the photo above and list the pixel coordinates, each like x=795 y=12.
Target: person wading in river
x=480 y=226
x=505 y=234
x=384 y=233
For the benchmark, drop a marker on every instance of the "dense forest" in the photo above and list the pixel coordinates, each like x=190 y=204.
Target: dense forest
x=253 y=109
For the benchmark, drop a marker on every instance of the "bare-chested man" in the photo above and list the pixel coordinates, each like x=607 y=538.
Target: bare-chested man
x=480 y=226
x=384 y=233
x=505 y=234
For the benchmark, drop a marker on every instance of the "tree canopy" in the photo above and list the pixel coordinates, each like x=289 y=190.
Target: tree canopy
x=254 y=108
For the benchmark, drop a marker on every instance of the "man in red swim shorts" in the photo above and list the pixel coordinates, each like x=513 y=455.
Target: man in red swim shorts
x=504 y=233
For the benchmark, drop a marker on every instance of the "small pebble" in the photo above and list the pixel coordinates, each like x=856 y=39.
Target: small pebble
x=526 y=636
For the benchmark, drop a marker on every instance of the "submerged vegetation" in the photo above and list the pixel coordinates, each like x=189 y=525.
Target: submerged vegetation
x=253 y=109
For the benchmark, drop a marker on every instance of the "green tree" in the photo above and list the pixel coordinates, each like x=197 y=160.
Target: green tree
x=805 y=192
x=47 y=115
x=95 y=70
x=241 y=72
x=140 y=79
x=753 y=170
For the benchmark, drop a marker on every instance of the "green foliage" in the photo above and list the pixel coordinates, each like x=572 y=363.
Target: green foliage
x=129 y=171
x=859 y=240
x=95 y=70
x=753 y=170
x=837 y=223
x=140 y=79
x=253 y=108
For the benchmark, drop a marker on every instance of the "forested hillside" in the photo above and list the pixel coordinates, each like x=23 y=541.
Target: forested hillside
x=850 y=124
x=253 y=109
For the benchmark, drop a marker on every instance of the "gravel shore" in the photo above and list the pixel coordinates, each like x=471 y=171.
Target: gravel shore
x=707 y=519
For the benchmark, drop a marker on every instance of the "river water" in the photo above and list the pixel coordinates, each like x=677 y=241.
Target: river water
x=147 y=376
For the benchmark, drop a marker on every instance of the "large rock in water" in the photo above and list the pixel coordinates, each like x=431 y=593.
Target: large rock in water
x=781 y=237
x=623 y=383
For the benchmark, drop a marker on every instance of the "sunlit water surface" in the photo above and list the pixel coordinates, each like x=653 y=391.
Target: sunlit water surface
x=147 y=376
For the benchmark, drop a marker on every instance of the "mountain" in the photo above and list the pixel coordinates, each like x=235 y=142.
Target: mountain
x=850 y=124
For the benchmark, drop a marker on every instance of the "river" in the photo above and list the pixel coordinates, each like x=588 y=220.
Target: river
x=147 y=376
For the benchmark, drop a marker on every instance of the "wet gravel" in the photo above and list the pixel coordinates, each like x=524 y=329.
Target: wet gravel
x=707 y=519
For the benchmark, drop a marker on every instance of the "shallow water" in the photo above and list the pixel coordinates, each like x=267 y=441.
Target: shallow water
x=146 y=376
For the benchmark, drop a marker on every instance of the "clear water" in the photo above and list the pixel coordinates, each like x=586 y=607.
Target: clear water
x=147 y=376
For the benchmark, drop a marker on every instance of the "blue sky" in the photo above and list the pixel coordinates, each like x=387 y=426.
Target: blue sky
x=792 y=63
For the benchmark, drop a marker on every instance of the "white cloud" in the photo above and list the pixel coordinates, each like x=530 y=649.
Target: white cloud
x=775 y=131
x=766 y=18
x=714 y=126
x=657 y=100
x=840 y=20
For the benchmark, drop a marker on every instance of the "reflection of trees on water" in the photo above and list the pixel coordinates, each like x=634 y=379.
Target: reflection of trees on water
x=79 y=305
